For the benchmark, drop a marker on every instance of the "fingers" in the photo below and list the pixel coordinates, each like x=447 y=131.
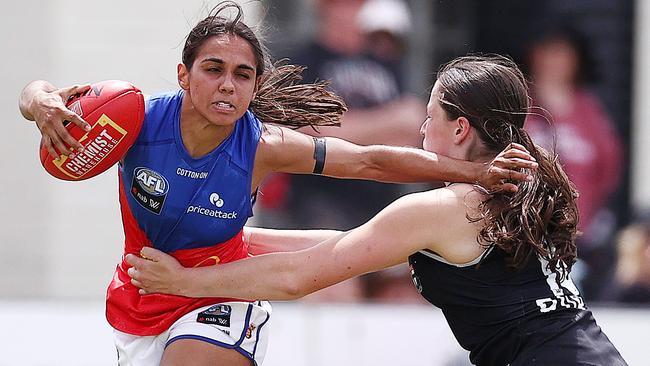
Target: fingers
x=64 y=136
x=508 y=187
x=151 y=254
x=516 y=146
x=50 y=117
x=503 y=174
x=519 y=158
x=133 y=272
x=59 y=144
x=67 y=93
x=134 y=260
x=135 y=275
x=67 y=115
x=515 y=163
x=139 y=285
x=74 y=118
x=152 y=270
x=50 y=137
x=47 y=143
x=510 y=167
x=518 y=176
x=515 y=153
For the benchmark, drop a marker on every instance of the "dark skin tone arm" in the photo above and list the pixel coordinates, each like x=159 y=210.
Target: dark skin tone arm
x=43 y=103
x=284 y=150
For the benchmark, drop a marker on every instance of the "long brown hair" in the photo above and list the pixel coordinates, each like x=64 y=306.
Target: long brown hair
x=280 y=98
x=541 y=217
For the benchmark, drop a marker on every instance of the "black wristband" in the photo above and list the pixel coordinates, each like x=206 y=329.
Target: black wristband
x=319 y=154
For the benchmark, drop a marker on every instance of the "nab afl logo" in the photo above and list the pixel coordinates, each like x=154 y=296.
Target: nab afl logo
x=151 y=181
x=149 y=188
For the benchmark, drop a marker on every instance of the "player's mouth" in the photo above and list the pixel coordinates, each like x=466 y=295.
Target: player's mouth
x=222 y=106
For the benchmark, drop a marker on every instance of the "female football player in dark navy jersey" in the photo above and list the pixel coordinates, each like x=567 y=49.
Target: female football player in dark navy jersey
x=186 y=183
x=497 y=263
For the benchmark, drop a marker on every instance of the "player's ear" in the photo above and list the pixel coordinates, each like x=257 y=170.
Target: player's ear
x=462 y=130
x=183 y=76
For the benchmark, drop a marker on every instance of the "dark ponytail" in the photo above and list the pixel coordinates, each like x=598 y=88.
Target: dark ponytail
x=280 y=99
x=541 y=217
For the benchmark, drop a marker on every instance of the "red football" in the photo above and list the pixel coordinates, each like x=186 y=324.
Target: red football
x=115 y=111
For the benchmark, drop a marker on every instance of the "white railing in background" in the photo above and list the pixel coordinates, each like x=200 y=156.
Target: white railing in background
x=57 y=333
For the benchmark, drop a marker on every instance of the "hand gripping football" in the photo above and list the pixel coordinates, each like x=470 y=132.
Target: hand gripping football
x=115 y=111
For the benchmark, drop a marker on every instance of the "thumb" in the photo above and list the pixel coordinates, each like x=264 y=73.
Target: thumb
x=151 y=254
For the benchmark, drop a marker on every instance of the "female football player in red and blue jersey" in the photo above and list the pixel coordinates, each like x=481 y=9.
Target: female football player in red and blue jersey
x=187 y=183
x=496 y=263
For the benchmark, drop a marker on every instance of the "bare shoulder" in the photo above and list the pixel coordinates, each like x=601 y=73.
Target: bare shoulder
x=271 y=135
x=270 y=142
x=276 y=137
x=447 y=207
x=281 y=149
x=455 y=237
x=457 y=195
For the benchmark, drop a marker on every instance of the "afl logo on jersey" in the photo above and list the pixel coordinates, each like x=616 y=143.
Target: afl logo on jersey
x=149 y=188
x=151 y=181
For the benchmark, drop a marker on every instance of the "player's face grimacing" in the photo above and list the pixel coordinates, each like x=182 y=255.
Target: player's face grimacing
x=222 y=80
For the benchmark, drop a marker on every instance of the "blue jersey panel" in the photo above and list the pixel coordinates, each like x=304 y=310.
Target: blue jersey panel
x=181 y=202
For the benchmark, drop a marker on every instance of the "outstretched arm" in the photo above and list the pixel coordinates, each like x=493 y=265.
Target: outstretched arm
x=43 y=103
x=411 y=223
x=285 y=150
x=262 y=241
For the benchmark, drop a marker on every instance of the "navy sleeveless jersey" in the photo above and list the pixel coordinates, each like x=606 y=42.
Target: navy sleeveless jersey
x=181 y=202
x=493 y=311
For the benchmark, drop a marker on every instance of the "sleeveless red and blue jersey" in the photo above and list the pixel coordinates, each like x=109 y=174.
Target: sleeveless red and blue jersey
x=193 y=209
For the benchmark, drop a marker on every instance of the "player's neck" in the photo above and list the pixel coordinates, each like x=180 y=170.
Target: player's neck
x=199 y=135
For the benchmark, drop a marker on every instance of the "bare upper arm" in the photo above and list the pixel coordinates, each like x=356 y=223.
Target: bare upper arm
x=284 y=150
x=412 y=223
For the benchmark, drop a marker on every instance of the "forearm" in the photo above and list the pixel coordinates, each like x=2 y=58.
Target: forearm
x=409 y=165
x=291 y=275
x=28 y=93
x=267 y=277
x=261 y=240
x=285 y=276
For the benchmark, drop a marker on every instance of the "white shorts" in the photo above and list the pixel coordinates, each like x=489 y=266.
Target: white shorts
x=241 y=326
